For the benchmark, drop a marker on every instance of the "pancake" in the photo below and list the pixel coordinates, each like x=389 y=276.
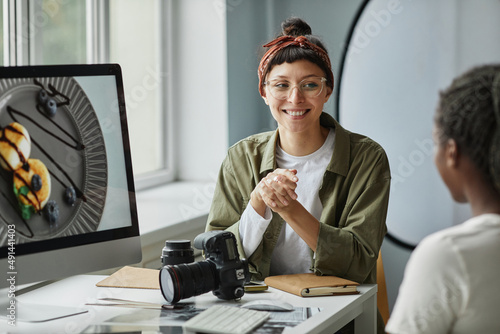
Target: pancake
x=31 y=200
x=15 y=146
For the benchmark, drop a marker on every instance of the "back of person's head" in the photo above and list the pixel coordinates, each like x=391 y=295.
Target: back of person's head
x=469 y=113
x=296 y=27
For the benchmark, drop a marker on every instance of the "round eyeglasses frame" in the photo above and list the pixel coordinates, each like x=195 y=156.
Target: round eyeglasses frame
x=282 y=93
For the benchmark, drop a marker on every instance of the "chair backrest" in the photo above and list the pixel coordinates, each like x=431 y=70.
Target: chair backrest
x=382 y=300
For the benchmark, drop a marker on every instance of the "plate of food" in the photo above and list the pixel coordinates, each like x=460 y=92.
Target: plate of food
x=53 y=164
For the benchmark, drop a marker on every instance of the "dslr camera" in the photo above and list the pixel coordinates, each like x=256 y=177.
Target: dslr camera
x=222 y=271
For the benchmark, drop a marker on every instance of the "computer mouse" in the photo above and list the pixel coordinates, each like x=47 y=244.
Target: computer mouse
x=268 y=305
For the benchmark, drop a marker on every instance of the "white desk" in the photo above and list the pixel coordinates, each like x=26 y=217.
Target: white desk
x=79 y=290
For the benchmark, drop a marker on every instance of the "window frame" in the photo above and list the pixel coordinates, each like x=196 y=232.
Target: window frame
x=18 y=48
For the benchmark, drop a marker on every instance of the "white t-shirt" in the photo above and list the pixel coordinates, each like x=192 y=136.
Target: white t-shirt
x=451 y=282
x=291 y=254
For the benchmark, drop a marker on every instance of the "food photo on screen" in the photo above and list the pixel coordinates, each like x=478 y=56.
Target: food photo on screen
x=59 y=141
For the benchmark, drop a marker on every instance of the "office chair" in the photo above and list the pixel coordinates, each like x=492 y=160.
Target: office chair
x=382 y=300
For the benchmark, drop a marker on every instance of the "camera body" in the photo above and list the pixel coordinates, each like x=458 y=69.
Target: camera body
x=221 y=250
x=222 y=271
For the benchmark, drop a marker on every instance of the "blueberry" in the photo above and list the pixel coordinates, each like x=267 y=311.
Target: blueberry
x=51 y=212
x=50 y=107
x=36 y=182
x=42 y=97
x=70 y=195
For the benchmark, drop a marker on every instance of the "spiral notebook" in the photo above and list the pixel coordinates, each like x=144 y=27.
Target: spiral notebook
x=310 y=285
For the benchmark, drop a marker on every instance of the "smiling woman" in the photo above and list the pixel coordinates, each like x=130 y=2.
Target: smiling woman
x=310 y=196
x=297 y=111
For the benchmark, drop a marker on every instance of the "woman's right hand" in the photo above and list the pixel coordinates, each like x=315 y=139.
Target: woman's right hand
x=277 y=189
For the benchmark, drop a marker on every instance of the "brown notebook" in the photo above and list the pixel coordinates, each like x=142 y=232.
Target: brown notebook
x=309 y=285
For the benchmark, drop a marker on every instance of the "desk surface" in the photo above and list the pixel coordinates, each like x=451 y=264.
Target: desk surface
x=77 y=291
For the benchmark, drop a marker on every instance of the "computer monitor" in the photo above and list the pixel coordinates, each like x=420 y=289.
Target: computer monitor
x=67 y=198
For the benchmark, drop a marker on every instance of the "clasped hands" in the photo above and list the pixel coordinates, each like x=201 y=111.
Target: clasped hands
x=276 y=191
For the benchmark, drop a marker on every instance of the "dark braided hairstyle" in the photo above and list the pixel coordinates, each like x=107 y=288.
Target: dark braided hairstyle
x=469 y=112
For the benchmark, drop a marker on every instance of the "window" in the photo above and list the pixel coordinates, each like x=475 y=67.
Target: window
x=76 y=31
x=56 y=32
x=142 y=79
x=2 y=37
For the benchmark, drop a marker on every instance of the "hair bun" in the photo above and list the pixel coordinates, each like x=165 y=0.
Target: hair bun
x=295 y=27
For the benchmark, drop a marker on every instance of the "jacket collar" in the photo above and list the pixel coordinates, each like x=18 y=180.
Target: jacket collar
x=269 y=156
x=341 y=152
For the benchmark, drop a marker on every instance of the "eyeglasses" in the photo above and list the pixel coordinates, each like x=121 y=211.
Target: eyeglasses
x=310 y=87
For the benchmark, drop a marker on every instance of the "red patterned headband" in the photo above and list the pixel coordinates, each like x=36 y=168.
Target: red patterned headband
x=285 y=41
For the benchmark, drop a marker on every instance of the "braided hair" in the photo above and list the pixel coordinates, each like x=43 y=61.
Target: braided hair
x=469 y=113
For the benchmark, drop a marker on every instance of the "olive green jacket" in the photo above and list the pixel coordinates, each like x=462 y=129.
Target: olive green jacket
x=354 y=194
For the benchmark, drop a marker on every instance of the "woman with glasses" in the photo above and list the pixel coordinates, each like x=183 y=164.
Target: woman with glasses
x=310 y=196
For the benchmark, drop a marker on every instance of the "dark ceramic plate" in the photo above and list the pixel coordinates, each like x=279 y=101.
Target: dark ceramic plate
x=70 y=144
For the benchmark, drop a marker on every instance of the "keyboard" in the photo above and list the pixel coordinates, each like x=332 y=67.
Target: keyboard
x=221 y=319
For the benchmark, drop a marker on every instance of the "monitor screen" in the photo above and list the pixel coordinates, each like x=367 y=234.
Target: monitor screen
x=66 y=183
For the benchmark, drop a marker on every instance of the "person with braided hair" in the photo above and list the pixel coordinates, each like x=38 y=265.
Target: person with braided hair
x=450 y=281
x=310 y=196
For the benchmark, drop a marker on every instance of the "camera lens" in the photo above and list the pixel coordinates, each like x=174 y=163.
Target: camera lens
x=186 y=280
x=176 y=252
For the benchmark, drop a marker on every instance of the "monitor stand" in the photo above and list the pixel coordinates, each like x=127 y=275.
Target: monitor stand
x=14 y=310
